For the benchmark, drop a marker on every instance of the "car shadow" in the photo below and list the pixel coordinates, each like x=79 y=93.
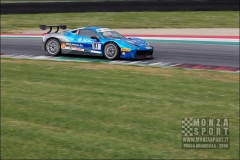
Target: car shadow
x=96 y=58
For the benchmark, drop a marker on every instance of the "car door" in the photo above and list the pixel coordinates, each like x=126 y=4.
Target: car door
x=87 y=41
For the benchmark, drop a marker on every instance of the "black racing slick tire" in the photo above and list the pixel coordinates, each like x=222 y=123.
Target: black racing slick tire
x=53 y=47
x=111 y=51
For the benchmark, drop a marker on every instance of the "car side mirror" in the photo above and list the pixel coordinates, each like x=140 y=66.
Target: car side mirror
x=94 y=37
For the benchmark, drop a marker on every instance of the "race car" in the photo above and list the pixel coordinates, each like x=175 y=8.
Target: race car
x=94 y=40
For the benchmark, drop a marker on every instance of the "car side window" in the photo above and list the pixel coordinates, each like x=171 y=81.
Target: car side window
x=75 y=31
x=88 y=33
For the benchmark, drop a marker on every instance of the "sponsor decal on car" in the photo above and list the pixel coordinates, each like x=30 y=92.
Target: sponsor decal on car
x=72 y=46
x=123 y=53
x=75 y=45
x=79 y=49
x=84 y=40
x=63 y=45
x=125 y=49
x=67 y=45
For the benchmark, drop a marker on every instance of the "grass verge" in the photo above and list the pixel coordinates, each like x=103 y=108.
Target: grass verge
x=89 y=110
x=213 y=19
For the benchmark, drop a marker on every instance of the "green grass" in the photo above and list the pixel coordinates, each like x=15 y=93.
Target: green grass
x=90 y=110
x=218 y=19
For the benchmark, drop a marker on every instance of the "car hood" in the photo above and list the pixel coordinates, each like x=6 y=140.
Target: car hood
x=136 y=41
x=133 y=41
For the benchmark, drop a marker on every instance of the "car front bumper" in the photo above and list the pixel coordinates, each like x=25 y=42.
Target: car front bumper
x=145 y=54
x=137 y=54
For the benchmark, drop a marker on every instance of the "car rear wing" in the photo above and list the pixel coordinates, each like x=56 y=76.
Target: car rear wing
x=44 y=27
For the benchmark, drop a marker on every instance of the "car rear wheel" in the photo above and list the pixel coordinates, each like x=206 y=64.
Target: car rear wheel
x=53 y=47
x=111 y=51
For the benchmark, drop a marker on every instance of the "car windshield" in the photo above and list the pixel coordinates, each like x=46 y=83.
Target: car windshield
x=111 y=34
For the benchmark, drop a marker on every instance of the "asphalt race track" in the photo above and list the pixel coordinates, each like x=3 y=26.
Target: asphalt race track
x=219 y=55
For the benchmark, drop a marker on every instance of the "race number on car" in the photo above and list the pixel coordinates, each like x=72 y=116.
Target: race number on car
x=96 y=46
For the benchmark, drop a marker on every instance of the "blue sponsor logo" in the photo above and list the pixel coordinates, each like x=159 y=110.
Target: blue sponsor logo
x=75 y=44
x=85 y=40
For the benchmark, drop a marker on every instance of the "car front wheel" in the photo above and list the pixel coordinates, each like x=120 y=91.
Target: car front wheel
x=111 y=51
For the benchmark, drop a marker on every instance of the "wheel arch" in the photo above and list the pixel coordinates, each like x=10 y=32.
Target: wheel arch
x=118 y=48
x=108 y=43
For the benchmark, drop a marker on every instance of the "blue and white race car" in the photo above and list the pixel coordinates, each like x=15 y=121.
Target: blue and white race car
x=93 y=40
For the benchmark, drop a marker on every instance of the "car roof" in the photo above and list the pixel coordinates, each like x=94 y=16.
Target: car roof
x=91 y=27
